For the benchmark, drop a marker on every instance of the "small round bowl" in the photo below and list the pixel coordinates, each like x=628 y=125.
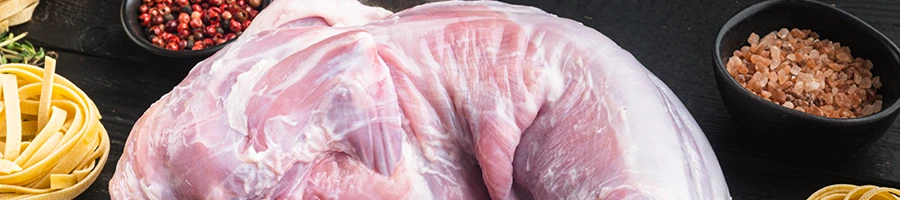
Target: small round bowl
x=778 y=130
x=129 y=17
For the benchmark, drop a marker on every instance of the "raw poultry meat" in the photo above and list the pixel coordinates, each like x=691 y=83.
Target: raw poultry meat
x=447 y=100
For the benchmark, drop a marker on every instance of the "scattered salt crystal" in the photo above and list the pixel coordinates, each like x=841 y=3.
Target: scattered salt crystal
x=868 y=64
x=792 y=57
x=795 y=70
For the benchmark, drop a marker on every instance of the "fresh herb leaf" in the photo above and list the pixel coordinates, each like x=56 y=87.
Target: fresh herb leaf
x=13 y=51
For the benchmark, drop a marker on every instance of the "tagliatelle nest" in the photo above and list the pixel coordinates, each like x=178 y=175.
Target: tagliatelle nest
x=53 y=144
x=853 y=192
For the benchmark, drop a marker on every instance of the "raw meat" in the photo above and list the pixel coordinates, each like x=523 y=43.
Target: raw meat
x=447 y=100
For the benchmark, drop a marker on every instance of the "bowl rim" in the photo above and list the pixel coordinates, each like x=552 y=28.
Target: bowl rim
x=139 y=39
x=761 y=6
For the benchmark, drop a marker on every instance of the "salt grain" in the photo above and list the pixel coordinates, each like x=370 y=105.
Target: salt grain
x=765 y=94
x=876 y=82
x=788 y=105
x=796 y=69
x=768 y=40
x=783 y=33
x=753 y=39
x=812 y=86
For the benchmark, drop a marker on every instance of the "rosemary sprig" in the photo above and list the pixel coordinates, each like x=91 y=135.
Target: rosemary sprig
x=13 y=51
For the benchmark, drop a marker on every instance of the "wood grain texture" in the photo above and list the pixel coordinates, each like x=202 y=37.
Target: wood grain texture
x=122 y=91
x=671 y=38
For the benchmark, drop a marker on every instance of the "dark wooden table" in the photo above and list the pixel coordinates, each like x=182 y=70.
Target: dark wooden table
x=672 y=38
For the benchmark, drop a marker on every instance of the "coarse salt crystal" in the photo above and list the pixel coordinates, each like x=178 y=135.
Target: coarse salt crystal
x=783 y=33
x=788 y=105
x=812 y=86
x=753 y=39
x=876 y=82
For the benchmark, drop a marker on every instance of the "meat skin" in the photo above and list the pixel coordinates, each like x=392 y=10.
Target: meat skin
x=446 y=100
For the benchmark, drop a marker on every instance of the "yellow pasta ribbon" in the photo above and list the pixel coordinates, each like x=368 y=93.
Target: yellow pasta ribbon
x=55 y=145
x=853 y=192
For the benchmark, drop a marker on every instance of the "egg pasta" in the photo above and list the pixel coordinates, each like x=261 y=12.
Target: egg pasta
x=53 y=144
x=853 y=192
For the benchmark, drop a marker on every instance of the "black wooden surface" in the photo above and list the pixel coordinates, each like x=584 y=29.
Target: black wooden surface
x=671 y=38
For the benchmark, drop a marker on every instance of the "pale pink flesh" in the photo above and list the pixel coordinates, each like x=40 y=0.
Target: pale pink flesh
x=449 y=100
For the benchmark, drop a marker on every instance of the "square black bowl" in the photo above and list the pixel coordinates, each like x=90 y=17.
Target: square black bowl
x=779 y=131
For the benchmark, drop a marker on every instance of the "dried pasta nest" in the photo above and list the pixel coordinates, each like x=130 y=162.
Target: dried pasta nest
x=853 y=192
x=53 y=144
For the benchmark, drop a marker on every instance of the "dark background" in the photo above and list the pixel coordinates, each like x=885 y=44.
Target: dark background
x=671 y=38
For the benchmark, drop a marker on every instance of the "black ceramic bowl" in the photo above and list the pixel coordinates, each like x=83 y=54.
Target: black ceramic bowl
x=784 y=131
x=129 y=16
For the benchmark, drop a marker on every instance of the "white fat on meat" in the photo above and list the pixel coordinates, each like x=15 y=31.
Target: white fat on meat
x=446 y=100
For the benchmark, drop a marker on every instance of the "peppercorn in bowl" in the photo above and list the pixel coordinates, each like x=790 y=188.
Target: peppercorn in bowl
x=802 y=78
x=187 y=28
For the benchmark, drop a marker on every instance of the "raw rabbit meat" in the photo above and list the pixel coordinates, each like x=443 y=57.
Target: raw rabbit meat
x=447 y=100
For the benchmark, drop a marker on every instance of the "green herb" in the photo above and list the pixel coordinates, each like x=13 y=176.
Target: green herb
x=13 y=51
